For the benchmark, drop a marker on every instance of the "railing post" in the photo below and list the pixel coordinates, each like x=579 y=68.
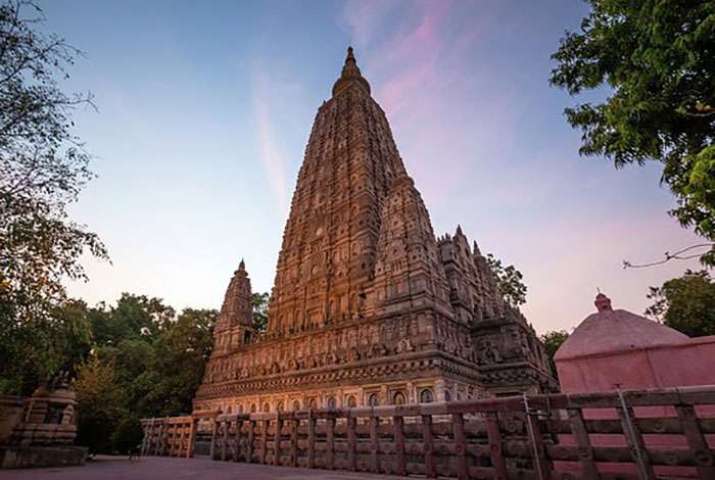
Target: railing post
x=184 y=446
x=147 y=427
x=161 y=442
x=251 y=440
x=237 y=440
x=352 y=443
x=374 y=443
x=311 y=440
x=541 y=463
x=277 y=440
x=330 y=440
x=398 y=423
x=428 y=441
x=214 y=428
x=696 y=441
x=192 y=438
x=224 y=438
x=460 y=445
x=495 y=445
x=635 y=440
x=295 y=423
x=589 y=471
x=264 y=442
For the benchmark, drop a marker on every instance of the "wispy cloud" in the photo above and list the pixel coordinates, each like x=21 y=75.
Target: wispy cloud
x=420 y=64
x=271 y=152
x=364 y=18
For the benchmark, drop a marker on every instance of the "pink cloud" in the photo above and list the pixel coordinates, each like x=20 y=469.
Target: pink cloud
x=420 y=71
x=271 y=153
x=363 y=17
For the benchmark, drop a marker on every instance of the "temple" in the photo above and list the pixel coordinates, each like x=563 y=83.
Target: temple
x=368 y=307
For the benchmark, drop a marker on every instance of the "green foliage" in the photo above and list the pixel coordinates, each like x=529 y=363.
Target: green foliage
x=260 y=311
x=146 y=361
x=31 y=350
x=43 y=167
x=127 y=435
x=656 y=60
x=510 y=281
x=134 y=317
x=552 y=341
x=686 y=303
x=99 y=401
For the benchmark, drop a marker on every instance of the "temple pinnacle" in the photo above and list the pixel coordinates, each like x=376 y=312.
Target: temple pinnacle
x=350 y=75
x=350 y=56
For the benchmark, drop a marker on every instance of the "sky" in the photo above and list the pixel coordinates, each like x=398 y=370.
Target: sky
x=204 y=111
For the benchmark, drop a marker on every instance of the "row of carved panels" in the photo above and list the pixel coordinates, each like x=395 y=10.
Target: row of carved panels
x=346 y=376
x=358 y=342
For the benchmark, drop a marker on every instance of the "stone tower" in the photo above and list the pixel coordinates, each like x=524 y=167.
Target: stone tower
x=367 y=306
x=234 y=325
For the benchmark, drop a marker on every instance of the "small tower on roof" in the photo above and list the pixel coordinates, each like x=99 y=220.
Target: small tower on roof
x=234 y=325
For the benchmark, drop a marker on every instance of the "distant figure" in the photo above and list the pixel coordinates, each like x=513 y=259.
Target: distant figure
x=135 y=453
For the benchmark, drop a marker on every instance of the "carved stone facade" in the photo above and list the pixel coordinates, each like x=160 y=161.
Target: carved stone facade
x=368 y=307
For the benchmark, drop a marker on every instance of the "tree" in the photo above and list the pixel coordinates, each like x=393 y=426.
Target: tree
x=656 y=60
x=509 y=281
x=259 y=301
x=181 y=351
x=43 y=167
x=133 y=317
x=30 y=352
x=146 y=362
x=686 y=304
x=552 y=342
x=100 y=404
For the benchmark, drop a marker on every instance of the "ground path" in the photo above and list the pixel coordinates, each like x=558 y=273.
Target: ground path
x=166 y=468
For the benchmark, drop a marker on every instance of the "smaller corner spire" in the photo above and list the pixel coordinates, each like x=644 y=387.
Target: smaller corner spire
x=475 y=248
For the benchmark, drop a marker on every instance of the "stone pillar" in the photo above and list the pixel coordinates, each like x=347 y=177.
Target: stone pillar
x=411 y=394
x=439 y=389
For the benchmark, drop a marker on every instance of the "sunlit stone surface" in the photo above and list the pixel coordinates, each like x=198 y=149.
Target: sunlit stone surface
x=368 y=307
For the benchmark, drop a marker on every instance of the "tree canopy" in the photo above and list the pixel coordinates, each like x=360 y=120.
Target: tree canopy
x=686 y=304
x=510 y=281
x=43 y=167
x=655 y=61
x=552 y=342
x=137 y=358
x=259 y=301
x=145 y=361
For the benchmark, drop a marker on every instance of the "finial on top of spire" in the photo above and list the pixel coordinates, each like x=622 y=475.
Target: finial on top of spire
x=242 y=265
x=602 y=302
x=350 y=75
x=459 y=229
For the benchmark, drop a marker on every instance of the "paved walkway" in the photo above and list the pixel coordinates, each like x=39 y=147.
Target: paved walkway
x=166 y=468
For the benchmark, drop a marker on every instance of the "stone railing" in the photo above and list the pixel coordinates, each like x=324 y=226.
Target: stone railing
x=631 y=434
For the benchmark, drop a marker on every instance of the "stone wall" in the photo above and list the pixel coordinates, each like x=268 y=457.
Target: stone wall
x=11 y=408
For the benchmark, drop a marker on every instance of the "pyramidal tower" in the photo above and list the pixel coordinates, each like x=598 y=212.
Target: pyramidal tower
x=367 y=307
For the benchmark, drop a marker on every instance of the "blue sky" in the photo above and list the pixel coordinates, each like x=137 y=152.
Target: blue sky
x=205 y=109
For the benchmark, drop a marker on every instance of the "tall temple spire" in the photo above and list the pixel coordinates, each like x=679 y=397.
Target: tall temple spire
x=350 y=75
x=366 y=307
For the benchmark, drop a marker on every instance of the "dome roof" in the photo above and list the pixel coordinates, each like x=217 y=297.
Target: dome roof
x=610 y=331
